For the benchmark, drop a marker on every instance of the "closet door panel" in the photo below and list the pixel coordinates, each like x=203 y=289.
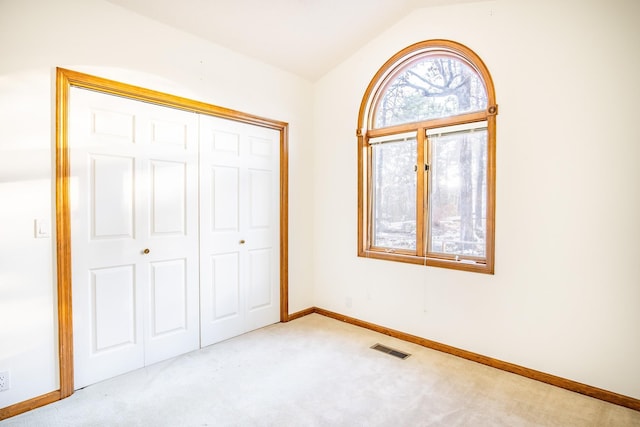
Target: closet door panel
x=239 y=250
x=134 y=218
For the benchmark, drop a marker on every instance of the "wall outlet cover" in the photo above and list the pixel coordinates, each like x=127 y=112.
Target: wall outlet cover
x=5 y=381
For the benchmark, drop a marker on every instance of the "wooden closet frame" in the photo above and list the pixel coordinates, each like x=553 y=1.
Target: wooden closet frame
x=65 y=79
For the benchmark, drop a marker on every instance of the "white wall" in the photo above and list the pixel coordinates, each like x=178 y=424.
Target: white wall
x=97 y=37
x=565 y=298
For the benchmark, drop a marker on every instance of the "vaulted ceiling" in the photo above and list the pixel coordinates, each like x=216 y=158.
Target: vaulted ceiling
x=304 y=37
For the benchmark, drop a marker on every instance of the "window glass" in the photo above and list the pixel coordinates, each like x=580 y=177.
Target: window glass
x=394 y=194
x=458 y=197
x=434 y=87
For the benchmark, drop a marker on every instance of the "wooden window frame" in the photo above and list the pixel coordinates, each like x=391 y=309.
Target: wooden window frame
x=366 y=130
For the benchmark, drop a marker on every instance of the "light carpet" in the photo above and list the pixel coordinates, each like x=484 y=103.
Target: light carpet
x=317 y=371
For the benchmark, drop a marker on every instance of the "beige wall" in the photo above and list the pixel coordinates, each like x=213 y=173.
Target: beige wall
x=99 y=38
x=565 y=298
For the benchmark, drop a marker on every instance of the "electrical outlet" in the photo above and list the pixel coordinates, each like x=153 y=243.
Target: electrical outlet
x=5 y=381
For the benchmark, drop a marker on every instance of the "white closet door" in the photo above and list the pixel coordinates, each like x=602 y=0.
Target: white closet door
x=134 y=216
x=239 y=228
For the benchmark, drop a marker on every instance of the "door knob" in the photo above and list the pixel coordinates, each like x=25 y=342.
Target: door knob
x=242 y=242
x=146 y=251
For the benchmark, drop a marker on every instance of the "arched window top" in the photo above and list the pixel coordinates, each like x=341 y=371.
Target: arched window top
x=435 y=85
x=429 y=80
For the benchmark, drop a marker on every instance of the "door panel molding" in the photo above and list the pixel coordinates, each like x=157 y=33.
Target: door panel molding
x=239 y=207
x=65 y=79
x=144 y=194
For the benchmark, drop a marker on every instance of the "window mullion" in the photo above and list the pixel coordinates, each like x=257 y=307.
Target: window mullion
x=427 y=191
x=420 y=195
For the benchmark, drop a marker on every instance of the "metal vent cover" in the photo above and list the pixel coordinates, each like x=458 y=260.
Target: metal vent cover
x=391 y=351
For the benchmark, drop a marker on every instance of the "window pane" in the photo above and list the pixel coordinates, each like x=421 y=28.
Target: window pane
x=438 y=86
x=458 y=199
x=394 y=194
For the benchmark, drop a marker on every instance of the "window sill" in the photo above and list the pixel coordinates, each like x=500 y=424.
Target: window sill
x=462 y=265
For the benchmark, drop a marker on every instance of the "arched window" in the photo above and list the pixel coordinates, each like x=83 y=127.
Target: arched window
x=426 y=160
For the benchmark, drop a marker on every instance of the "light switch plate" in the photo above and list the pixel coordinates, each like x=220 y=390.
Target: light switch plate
x=42 y=228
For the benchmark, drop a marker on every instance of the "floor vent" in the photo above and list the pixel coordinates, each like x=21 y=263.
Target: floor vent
x=391 y=351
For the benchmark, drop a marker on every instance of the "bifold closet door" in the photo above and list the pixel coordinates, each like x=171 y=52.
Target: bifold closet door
x=239 y=228
x=134 y=217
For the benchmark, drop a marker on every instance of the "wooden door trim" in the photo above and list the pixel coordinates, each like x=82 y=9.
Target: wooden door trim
x=65 y=79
